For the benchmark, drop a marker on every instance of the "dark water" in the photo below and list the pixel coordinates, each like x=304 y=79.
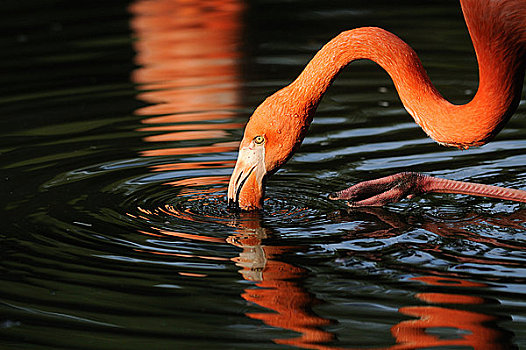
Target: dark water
x=119 y=128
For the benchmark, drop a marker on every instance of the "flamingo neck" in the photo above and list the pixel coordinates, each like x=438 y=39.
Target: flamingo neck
x=501 y=75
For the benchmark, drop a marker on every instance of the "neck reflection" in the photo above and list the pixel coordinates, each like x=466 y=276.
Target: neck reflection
x=436 y=315
x=278 y=285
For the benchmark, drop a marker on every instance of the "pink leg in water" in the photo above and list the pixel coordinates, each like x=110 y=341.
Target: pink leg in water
x=393 y=188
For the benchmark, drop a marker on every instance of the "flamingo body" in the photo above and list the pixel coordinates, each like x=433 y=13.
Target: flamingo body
x=278 y=126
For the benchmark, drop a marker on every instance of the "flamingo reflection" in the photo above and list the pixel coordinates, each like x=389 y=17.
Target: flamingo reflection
x=280 y=288
x=278 y=285
x=443 y=303
x=475 y=330
x=187 y=52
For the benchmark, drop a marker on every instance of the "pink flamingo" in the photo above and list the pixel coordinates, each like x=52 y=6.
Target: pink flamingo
x=278 y=126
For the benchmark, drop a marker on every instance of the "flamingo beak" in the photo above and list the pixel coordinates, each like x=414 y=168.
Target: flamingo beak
x=245 y=190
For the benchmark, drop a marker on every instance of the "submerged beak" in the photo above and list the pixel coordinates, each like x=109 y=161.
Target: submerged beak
x=245 y=190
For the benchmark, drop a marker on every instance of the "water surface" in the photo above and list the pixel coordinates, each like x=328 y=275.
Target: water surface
x=119 y=130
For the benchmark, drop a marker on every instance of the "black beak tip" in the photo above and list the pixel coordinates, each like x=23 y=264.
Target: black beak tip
x=233 y=206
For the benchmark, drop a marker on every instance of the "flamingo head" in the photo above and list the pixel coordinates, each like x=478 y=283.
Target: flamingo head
x=272 y=135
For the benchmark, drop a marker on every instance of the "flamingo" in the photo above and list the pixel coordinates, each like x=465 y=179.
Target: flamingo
x=278 y=125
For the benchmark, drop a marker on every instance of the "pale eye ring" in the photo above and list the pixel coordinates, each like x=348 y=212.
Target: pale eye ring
x=259 y=139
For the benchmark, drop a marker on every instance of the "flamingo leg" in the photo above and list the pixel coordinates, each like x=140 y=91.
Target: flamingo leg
x=393 y=188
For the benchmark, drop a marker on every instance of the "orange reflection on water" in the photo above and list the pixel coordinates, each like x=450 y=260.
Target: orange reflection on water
x=215 y=148
x=280 y=289
x=179 y=255
x=201 y=181
x=186 y=44
x=193 y=237
x=447 y=282
x=188 y=53
x=187 y=135
x=193 y=274
x=278 y=286
x=185 y=127
x=196 y=165
x=474 y=328
x=183 y=117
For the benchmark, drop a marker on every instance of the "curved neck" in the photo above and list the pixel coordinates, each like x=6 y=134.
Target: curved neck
x=475 y=123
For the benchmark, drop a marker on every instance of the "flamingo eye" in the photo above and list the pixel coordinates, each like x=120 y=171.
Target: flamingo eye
x=259 y=140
